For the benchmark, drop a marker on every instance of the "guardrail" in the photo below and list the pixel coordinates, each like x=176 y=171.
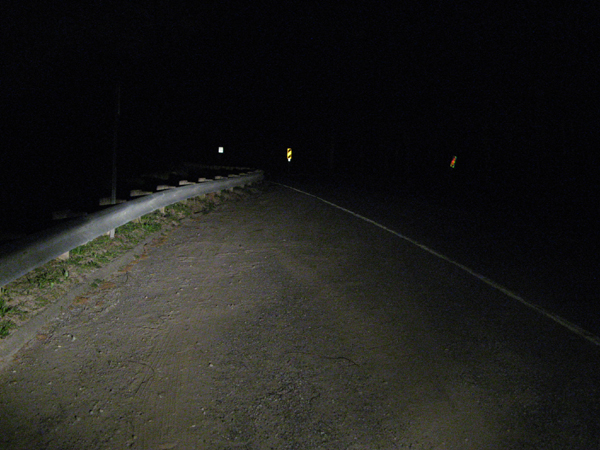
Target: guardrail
x=21 y=257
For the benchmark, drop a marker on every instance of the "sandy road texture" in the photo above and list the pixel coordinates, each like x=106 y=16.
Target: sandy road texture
x=280 y=322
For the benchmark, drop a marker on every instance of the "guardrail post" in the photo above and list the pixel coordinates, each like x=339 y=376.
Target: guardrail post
x=203 y=196
x=64 y=256
x=107 y=201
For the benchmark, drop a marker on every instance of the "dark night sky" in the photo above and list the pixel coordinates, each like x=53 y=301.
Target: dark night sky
x=398 y=87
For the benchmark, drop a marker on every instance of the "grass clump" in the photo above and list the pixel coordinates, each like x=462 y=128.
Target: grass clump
x=5 y=326
x=4 y=308
x=49 y=276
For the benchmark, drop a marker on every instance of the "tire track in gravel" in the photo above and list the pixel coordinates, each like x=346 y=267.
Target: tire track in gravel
x=161 y=399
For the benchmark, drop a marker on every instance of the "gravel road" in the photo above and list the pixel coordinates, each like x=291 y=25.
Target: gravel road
x=280 y=322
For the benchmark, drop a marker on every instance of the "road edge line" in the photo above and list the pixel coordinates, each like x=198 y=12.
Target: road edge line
x=590 y=337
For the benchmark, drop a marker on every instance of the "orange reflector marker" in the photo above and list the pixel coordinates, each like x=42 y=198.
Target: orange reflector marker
x=453 y=162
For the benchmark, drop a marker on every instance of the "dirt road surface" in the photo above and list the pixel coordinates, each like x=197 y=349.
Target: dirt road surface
x=281 y=322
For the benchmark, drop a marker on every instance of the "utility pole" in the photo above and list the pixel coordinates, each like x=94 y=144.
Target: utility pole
x=113 y=195
x=332 y=149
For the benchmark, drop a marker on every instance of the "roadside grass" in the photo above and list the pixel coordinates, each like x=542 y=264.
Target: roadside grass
x=29 y=295
x=5 y=325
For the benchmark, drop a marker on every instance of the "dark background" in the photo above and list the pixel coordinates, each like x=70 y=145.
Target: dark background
x=369 y=92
